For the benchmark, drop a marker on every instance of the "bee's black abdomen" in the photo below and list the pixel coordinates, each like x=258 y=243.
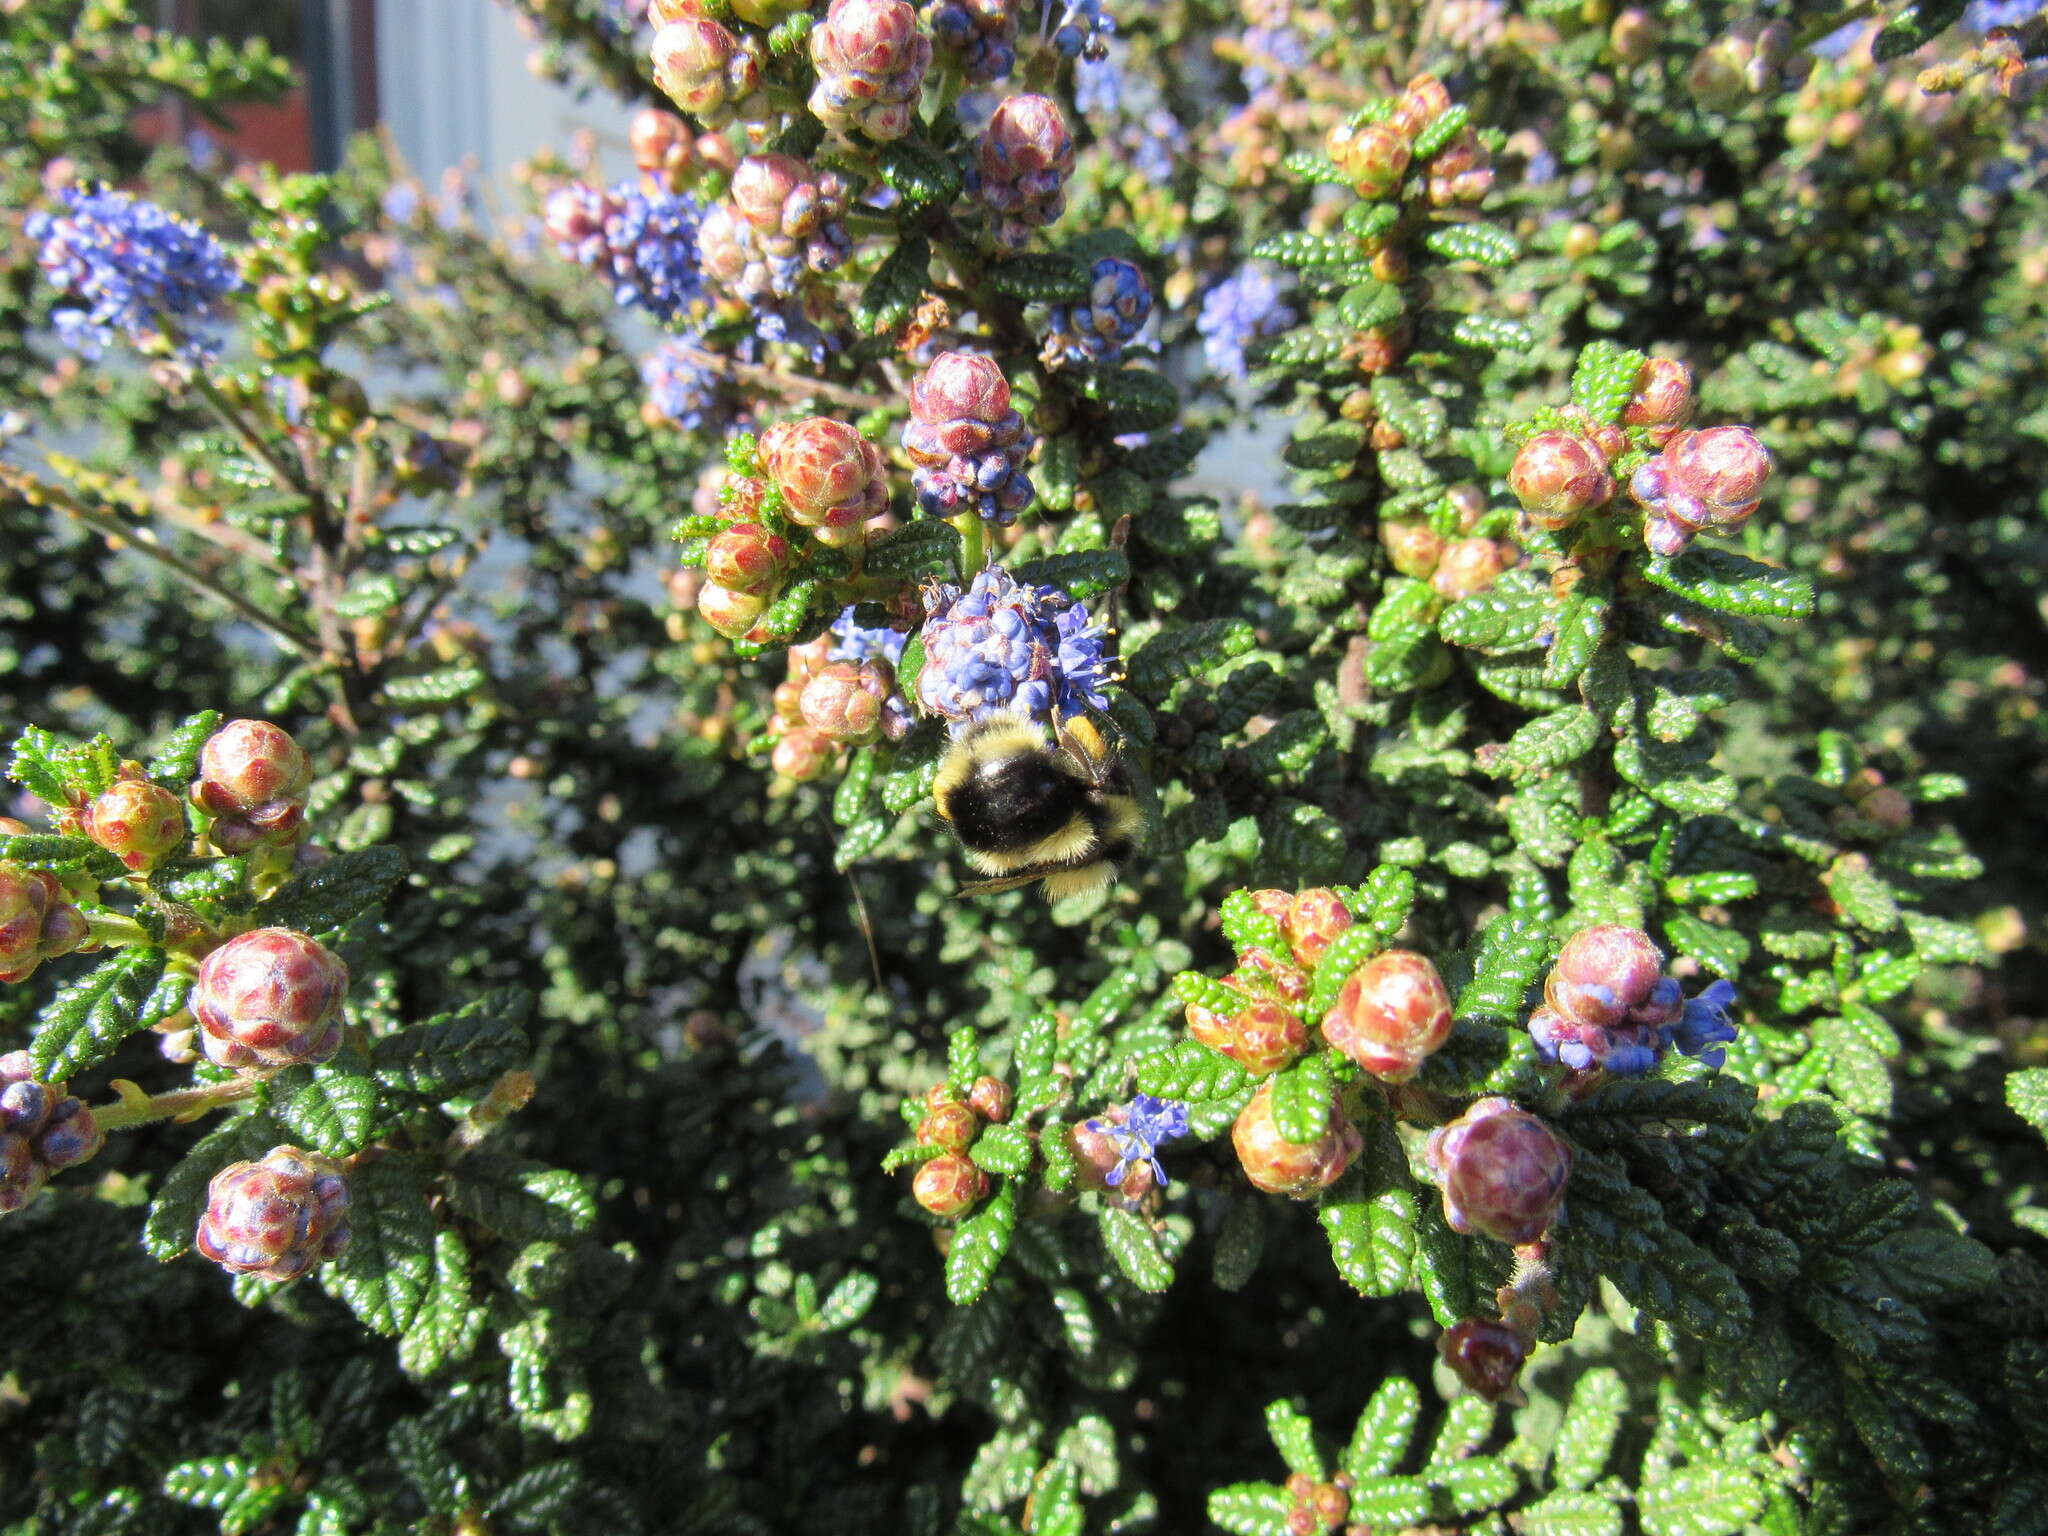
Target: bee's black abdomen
x=1011 y=803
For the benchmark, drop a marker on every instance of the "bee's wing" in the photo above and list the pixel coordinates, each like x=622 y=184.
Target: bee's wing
x=1006 y=883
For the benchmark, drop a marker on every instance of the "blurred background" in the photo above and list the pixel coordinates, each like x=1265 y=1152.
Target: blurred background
x=448 y=79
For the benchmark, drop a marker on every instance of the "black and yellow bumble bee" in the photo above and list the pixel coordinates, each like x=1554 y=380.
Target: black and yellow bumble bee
x=1026 y=808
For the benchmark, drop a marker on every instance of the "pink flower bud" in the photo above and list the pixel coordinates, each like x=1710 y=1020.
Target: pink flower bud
x=662 y=144
x=1485 y=1355
x=732 y=612
x=270 y=998
x=1282 y=1167
x=1265 y=1037
x=1413 y=548
x=828 y=474
x=867 y=37
x=1313 y=920
x=1260 y=973
x=1027 y=136
x=949 y=1186
x=871 y=60
x=960 y=386
x=991 y=1098
x=1391 y=1015
x=276 y=1218
x=951 y=1126
x=702 y=68
x=746 y=557
x=1502 y=1171
x=763 y=184
x=844 y=702
x=1374 y=155
x=1468 y=566
x=1559 y=477
x=253 y=780
x=36 y=923
x=1422 y=102
x=1608 y=976
x=801 y=755
x=1726 y=467
x=1663 y=400
x=136 y=821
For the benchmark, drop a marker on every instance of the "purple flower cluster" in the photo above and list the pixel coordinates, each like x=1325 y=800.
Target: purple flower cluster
x=1239 y=310
x=1698 y=1026
x=1119 y=303
x=1147 y=1125
x=853 y=641
x=42 y=1131
x=1084 y=30
x=680 y=387
x=983 y=30
x=1003 y=647
x=136 y=268
x=1263 y=46
x=643 y=243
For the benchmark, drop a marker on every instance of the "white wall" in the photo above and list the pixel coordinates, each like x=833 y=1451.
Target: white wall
x=452 y=82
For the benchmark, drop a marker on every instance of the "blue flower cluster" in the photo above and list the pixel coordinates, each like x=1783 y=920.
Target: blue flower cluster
x=1239 y=310
x=1004 y=647
x=1147 y=1124
x=1271 y=45
x=1119 y=302
x=853 y=641
x=983 y=30
x=644 y=243
x=137 y=269
x=1084 y=30
x=1698 y=1026
x=681 y=387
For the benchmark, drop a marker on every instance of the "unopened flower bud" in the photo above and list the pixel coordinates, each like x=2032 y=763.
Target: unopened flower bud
x=1312 y=922
x=1391 y=1015
x=1265 y=1037
x=1502 y=1171
x=1282 y=1167
x=36 y=922
x=949 y=1185
x=253 y=780
x=871 y=60
x=951 y=1126
x=1720 y=75
x=270 y=998
x=1609 y=975
x=1422 y=102
x=747 y=557
x=1663 y=400
x=801 y=755
x=706 y=71
x=136 y=821
x=991 y=1098
x=731 y=612
x=277 y=1218
x=1412 y=547
x=1559 y=477
x=1485 y=1355
x=1469 y=566
x=1374 y=156
x=828 y=474
x=845 y=701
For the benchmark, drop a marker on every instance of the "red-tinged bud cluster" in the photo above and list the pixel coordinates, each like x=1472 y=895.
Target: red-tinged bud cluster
x=846 y=701
x=1470 y=566
x=1559 y=477
x=782 y=221
x=1705 y=481
x=708 y=72
x=1502 y=1171
x=1314 y=1506
x=43 y=1130
x=949 y=1185
x=871 y=61
x=1392 y=1014
x=277 y=1218
x=968 y=442
x=1262 y=1037
x=952 y=1125
x=1486 y=1356
x=746 y=557
x=732 y=612
x=1413 y=547
x=37 y=923
x=672 y=153
x=1662 y=402
x=1377 y=153
x=831 y=478
x=268 y=999
x=136 y=821
x=1021 y=164
x=253 y=781
x=992 y=1099
x=1295 y=1168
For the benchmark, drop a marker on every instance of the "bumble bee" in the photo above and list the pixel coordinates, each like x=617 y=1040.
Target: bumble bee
x=1027 y=810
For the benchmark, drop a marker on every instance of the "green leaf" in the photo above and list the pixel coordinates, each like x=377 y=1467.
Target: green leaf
x=1488 y=245
x=181 y=1196
x=1250 y=1509
x=89 y=1018
x=331 y=1108
x=1719 y=950
x=920 y=175
x=444 y=685
x=919 y=548
x=849 y=1301
x=521 y=1200
x=177 y=761
x=1239 y=1244
x=329 y=895
x=1604 y=380
x=1728 y=582
x=385 y=1272
x=1133 y=400
x=1042 y=277
x=1915 y=26
x=1301 y=1100
x=1176 y=654
x=60 y=853
x=453 y=1053
x=1508 y=616
x=448 y=1324
x=1135 y=1247
x=1545 y=744
x=2026 y=1092
x=1570 y=1514
x=1294 y=1437
x=1392 y=1503
x=1080 y=573
x=1591 y=1423
x=849 y=800
x=1384 y=1430
x=1003 y=1149
x=536 y=1500
x=1371 y=1221
x=979 y=1244
x=1699 y=1500
x=1581 y=626
x=897 y=285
